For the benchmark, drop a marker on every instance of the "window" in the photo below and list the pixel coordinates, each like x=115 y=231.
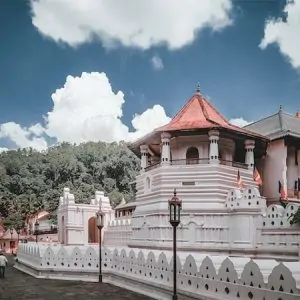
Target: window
x=192 y=156
x=148 y=183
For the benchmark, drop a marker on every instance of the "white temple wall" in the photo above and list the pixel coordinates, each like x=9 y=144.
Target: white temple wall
x=150 y=272
x=180 y=145
x=76 y=220
x=274 y=165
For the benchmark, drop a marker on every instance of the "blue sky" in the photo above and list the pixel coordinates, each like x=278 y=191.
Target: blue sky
x=131 y=67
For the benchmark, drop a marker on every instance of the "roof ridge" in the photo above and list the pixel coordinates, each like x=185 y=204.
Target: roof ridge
x=265 y=118
x=200 y=101
x=213 y=108
x=183 y=109
x=280 y=119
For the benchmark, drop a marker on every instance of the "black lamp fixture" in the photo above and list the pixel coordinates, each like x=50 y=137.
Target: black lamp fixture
x=18 y=232
x=11 y=230
x=36 y=230
x=100 y=224
x=174 y=214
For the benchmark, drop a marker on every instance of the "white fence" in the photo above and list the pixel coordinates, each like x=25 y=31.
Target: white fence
x=199 y=276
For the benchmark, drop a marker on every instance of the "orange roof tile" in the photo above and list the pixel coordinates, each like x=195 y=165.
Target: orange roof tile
x=198 y=113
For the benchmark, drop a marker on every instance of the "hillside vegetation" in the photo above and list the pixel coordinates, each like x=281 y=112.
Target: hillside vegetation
x=32 y=180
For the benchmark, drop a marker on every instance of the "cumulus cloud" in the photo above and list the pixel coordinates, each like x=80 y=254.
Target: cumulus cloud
x=85 y=109
x=285 y=33
x=239 y=122
x=140 y=24
x=22 y=137
x=157 y=63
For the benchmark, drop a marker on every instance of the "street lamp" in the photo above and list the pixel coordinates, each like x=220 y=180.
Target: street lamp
x=36 y=230
x=18 y=232
x=174 y=214
x=100 y=224
x=11 y=233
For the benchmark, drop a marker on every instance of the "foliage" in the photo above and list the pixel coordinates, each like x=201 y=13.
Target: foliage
x=32 y=180
x=296 y=217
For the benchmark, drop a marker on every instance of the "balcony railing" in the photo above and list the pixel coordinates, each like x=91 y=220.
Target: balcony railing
x=198 y=161
x=153 y=166
x=234 y=164
x=190 y=161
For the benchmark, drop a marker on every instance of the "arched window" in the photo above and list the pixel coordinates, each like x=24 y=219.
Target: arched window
x=148 y=183
x=192 y=156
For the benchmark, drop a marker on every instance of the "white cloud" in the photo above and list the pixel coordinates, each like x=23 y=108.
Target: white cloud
x=2 y=149
x=22 y=137
x=150 y=119
x=157 y=63
x=239 y=122
x=36 y=129
x=286 y=34
x=85 y=109
x=136 y=23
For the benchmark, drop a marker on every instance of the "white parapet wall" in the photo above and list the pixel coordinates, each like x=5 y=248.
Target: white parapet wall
x=118 y=233
x=150 y=272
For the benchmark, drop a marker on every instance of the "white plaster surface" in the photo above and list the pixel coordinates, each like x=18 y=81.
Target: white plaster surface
x=199 y=276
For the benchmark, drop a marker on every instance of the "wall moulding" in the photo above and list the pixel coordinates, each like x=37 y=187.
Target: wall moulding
x=199 y=275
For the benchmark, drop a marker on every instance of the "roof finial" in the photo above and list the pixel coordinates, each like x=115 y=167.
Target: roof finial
x=198 y=89
x=280 y=107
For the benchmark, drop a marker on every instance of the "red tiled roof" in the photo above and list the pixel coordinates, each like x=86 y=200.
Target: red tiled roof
x=198 y=113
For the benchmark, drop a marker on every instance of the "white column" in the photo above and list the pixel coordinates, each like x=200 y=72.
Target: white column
x=214 y=146
x=144 y=157
x=165 y=150
x=249 y=157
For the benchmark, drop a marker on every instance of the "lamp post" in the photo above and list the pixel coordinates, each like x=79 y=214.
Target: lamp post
x=18 y=232
x=11 y=233
x=36 y=230
x=174 y=213
x=100 y=224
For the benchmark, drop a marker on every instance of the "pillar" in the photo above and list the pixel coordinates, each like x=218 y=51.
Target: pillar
x=165 y=151
x=214 y=146
x=249 y=157
x=144 y=157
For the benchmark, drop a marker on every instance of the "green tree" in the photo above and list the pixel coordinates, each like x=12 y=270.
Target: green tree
x=31 y=181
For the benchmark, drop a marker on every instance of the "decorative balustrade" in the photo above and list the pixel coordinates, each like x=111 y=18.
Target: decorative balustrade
x=190 y=161
x=198 y=161
x=199 y=276
x=234 y=164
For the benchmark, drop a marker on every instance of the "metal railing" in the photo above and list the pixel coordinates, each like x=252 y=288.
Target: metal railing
x=234 y=164
x=190 y=161
x=153 y=166
x=198 y=161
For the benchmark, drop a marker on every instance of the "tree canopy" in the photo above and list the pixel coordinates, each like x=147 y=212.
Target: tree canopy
x=31 y=181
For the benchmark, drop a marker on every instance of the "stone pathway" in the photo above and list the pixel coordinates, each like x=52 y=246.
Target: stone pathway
x=19 y=286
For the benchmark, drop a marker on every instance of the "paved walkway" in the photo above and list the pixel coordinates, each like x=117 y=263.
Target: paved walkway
x=19 y=286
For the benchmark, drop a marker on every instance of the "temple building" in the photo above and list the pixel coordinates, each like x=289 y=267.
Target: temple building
x=201 y=154
x=215 y=167
x=280 y=167
x=124 y=210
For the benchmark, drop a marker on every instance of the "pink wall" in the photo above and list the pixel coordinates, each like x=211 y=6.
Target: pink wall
x=273 y=168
